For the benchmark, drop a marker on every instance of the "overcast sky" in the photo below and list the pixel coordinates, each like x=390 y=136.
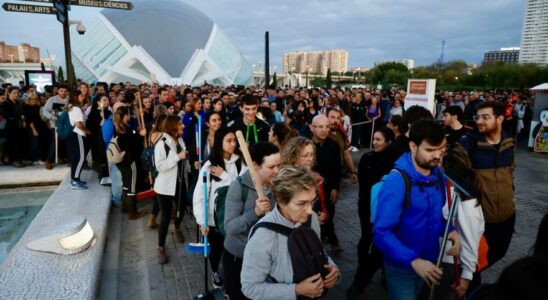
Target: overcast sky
x=370 y=30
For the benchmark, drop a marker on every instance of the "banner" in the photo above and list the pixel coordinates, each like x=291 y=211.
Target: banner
x=421 y=92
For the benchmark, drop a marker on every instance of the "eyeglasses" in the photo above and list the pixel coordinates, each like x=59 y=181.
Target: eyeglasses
x=321 y=126
x=485 y=117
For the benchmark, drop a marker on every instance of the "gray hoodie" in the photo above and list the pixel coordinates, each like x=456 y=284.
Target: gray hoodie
x=240 y=216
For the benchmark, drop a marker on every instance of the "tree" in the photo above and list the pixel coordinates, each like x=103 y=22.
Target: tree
x=60 y=75
x=274 y=80
x=328 y=80
x=388 y=73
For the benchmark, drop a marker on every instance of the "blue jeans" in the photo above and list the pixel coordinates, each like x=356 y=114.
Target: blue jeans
x=403 y=284
x=116 y=184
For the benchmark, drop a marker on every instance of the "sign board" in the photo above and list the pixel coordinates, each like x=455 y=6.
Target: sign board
x=93 y=3
x=421 y=92
x=62 y=10
x=40 y=79
x=35 y=9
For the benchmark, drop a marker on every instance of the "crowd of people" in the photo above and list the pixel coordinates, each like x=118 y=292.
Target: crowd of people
x=165 y=138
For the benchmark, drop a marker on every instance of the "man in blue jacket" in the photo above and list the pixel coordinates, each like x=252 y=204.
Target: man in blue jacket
x=408 y=227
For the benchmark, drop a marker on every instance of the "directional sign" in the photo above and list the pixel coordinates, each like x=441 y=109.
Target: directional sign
x=94 y=3
x=104 y=4
x=35 y=9
x=62 y=10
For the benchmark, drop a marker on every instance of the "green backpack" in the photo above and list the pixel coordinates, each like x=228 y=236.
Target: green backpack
x=219 y=213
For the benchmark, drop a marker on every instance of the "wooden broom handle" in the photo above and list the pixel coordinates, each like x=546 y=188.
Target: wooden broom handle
x=247 y=157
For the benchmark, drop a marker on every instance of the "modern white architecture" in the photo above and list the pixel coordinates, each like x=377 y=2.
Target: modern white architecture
x=534 y=34
x=166 y=41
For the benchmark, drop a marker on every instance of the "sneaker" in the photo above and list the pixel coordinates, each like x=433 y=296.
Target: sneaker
x=178 y=233
x=76 y=185
x=83 y=182
x=39 y=162
x=354 y=149
x=105 y=181
x=49 y=165
x=217 y=280
x=161 y=255
x=17 y=164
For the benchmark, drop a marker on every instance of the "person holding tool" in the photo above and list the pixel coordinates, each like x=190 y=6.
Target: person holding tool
x=245 y=204
x=409 y=218
x=51 y=111
x=170 y=187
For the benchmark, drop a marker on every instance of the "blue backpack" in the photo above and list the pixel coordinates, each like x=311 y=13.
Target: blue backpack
x=376 y=189
x=63 y=126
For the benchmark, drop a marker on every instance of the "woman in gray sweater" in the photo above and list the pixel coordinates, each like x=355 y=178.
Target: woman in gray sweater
x=267 y=272
x=243 y=209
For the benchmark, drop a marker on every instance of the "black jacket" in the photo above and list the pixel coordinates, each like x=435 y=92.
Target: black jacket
x=262 y=130
x=328 y=164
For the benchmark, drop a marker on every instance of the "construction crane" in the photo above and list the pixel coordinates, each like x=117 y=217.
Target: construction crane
x=442 y=52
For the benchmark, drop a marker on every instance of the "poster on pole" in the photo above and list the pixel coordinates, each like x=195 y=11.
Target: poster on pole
x=421 y=92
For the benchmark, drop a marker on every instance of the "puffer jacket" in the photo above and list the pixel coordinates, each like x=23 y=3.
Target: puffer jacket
x=404 y=234
x=495 y=168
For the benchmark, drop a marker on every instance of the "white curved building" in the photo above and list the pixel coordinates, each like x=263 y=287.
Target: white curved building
x=167 y=41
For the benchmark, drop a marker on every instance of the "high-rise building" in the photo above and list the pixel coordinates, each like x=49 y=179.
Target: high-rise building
x=316 y=61
x=506 y=55
x=21 y=53
x=534 y=34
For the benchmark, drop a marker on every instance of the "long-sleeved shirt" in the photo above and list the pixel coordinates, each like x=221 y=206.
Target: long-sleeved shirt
x=240 y=214
x=49 y=112
x=328 y=164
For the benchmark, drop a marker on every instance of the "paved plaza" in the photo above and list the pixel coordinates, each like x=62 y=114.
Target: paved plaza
x=130 y=268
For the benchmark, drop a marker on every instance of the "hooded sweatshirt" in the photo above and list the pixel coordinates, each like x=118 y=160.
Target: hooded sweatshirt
x=404 y=234
x=228 y=176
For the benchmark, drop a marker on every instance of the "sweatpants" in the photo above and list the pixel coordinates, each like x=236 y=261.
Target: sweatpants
x=232 y=267
x=76 y=146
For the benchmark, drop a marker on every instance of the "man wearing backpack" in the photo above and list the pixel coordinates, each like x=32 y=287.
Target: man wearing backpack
x=492 y=153
x=409 y=220
x=51 y=111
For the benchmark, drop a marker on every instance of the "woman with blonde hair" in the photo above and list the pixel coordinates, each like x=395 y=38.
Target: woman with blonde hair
x=300 y=151
x=267 y=271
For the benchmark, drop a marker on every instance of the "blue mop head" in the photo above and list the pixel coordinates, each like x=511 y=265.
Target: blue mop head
x=197 y=248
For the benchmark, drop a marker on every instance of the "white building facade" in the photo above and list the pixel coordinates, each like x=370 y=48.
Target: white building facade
x=534 y=34
x=169 y=42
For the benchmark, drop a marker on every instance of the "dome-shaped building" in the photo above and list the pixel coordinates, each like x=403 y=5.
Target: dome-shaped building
x=167 y=41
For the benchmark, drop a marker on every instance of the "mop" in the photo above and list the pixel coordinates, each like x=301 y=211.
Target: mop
x=215 y=293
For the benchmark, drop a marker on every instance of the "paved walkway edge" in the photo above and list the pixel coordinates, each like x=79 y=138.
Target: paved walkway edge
x=27 y=274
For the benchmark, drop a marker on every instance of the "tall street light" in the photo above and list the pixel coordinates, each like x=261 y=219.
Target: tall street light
x=307 y=72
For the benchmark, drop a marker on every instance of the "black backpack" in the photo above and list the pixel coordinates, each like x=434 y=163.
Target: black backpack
x=307 y=254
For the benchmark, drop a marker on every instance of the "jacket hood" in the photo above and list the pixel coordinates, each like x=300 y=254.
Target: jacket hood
x=233 y=159
x=405 y=162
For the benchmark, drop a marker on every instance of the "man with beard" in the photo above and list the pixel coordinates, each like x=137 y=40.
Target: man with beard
x=492 y=155
x=409 y=219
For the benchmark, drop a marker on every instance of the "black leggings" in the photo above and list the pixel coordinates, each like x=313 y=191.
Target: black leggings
x=166 y=204
x=369 y=257
x=216 y=240
x=232 y=267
